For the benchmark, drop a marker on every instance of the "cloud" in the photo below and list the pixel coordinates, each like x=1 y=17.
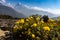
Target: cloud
x=10 y=5
x=2 y=1
x=27 y=6
x=6 y=4
x=53 y=11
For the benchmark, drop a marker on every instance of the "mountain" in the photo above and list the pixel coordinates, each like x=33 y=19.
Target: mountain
x=27 y=11
x=54 y=18
x=5 y=10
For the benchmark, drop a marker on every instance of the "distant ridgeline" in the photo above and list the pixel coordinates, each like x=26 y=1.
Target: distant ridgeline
x=5 y=17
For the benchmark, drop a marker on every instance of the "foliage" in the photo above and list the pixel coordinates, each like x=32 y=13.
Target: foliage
x=33 y=28
x=5 y=17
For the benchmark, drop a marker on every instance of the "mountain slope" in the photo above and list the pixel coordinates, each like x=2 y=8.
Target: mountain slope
x=4 y=10
x=23 y=9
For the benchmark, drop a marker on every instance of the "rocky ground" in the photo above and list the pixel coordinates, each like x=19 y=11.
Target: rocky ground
x=5 y=28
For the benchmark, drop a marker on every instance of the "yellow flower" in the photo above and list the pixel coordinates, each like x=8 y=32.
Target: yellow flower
x=38 y=18
x=27 y=19
x=42 y=21
x=17 y=22
x=34 y=24
x=22 y=21
x=15 y=28
x=26 y=24
x=46 y=28
x=20 y=27
x=31 y=17
x=29 y=31
x=33 y=36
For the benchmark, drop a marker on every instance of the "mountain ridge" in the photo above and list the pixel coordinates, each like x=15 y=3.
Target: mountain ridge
x=27 y=11
x=5 y=10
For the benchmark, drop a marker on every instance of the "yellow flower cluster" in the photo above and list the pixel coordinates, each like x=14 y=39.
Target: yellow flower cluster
x=46 y=28
x=34 y=24
x=20 y=21
x=33 y=27
x=33 y=36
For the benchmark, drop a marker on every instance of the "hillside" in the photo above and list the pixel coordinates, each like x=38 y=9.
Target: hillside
x=4 y=10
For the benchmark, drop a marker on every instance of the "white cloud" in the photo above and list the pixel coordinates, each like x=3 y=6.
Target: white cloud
x=6 y=4
x=10 y=5
x=2 y=1
x=27 y=6
x=53 y=11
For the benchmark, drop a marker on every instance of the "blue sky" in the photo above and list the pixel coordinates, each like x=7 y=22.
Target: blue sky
x=52 y=6
x=40 y=3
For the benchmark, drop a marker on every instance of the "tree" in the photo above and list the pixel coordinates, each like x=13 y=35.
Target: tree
x=45 y=18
